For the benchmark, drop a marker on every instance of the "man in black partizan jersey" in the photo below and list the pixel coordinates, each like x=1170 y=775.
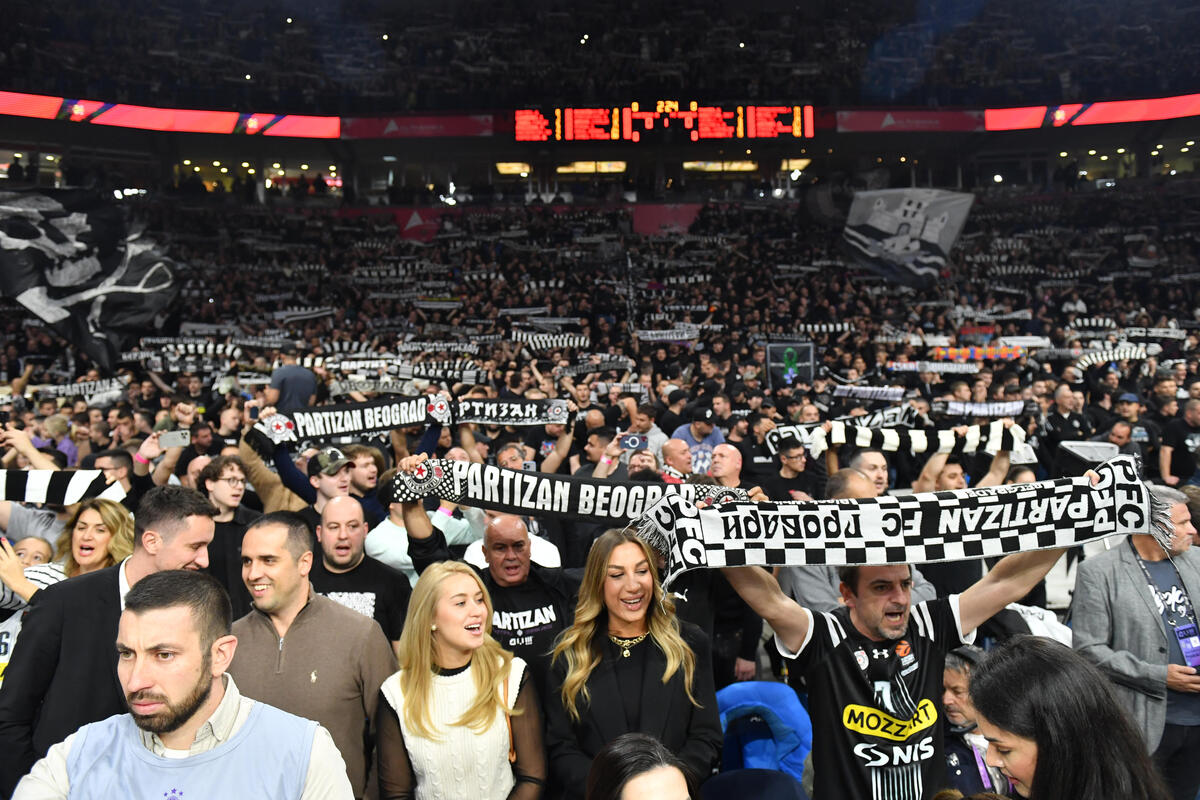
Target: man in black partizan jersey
x=874 y=668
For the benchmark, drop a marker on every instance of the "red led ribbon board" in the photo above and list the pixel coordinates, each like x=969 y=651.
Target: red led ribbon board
x=178 y=120
x=629 y=123
x=1105 y=113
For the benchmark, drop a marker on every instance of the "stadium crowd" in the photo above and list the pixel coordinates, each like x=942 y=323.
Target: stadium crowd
x=370 y=57
x=1089 y=294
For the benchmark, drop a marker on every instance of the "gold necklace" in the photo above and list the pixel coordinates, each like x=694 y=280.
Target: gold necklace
x=625 y=644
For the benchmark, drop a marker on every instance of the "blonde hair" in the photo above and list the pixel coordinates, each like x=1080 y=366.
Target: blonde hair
x=117 y=521
x=490 y=664
x=580 y=645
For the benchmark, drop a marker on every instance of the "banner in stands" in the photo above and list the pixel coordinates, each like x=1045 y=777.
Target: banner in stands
x=907 y=529
x=71 y=257
x=602 y=502
x=905 y=235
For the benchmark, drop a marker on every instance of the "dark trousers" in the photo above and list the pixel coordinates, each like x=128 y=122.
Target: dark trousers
x=1176 y=758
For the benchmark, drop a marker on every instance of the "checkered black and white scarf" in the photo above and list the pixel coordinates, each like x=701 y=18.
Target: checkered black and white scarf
x=60 y=488
x=990 y=438
x=918 y=528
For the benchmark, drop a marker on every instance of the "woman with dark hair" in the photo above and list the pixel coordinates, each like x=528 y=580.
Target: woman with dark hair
x=1041 y=703
x=635 y=766
x=628 y=664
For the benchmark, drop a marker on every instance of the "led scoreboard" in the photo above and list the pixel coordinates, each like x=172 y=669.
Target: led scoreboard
x=628 y=123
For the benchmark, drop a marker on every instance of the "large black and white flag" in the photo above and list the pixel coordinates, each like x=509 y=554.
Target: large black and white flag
x=75 y=260
x=905 y=235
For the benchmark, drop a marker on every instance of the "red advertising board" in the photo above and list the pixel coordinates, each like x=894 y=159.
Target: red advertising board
x=909 y=121
x=418 y=127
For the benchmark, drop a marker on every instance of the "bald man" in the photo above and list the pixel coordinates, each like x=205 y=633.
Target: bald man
x=531 y=604
x=344 y=573
x=677 y=461
x=727 y=466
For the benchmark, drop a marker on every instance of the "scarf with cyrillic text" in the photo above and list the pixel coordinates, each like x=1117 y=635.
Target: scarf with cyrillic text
x=906 y=529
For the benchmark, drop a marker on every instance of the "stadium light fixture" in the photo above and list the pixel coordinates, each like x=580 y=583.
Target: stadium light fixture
x=304 y=166
x=187 y=162
x=1191 y=143
x=524 y=174
x=998 y=178
x=1104 y=158
x=1172 y=172
x=247 y=76
x=1158 y=147
x=333 y=167
x=385 y=37
x=796 y=174
x=224 y=170
x=903 y=159
x=1063 y=154
x=245 y=164
x=250 y=171
x=1120 y=151
x=216 y=163
x=289 y=20
x=1091 y=152
x=195 y=169
x=49 y=158
x=18 y=155
x=741 y=45
x=276 y=165
x=1183 y=149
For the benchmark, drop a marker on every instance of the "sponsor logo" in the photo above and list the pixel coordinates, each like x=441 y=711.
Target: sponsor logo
x=873 y=722
x=894 y=755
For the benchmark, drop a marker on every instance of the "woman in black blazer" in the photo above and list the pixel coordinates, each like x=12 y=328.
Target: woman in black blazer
x=628 y=665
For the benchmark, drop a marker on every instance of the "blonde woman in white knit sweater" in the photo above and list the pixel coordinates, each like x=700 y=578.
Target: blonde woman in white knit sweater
x=459 y=720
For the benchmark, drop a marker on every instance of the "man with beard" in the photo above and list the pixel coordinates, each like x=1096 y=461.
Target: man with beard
x=188 y=726
x=63 y=675
x=874 y=665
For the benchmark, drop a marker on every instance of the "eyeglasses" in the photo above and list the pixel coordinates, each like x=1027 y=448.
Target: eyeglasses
x=797 y=457
x=234 y=482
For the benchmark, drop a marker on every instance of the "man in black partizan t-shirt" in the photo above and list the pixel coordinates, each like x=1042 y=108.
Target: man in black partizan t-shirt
x=349 y=577
x=874 y=669
x=1180 y=447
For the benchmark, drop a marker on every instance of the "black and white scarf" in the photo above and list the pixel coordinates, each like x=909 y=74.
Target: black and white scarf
x=989 y=438
x=551 y=341
x=56 y=487
x=673 y=335
x=376 y=416
x=1127 y=352
x=602 y=502
x=883 y=418
x=470 y=348
x=890 y=394
x=604 y=364
x=958 y=408
x=945 y=367
x=101 y=388
x=907 y=529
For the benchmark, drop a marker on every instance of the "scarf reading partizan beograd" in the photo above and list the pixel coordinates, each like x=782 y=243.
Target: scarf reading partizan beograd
x=375 y=416
x=598 y=501
x=906 y=529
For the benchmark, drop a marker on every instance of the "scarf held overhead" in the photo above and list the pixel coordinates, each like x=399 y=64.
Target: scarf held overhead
x=601 y=502
x=908 y=529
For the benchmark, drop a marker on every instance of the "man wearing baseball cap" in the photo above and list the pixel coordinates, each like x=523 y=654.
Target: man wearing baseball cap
x=329 y=475
x=701 y=437
x=1142 y=432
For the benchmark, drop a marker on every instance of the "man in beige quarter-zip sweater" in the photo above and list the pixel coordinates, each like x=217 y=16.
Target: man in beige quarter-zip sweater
x=304 y=653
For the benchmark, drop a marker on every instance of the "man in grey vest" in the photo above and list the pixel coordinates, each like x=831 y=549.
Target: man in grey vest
x=190 y=732
x=1134 y=617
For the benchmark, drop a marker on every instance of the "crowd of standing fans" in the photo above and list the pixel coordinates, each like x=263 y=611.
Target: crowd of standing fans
x=278 y=599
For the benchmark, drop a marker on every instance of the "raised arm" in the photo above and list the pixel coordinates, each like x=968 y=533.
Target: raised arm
x=761 y=592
